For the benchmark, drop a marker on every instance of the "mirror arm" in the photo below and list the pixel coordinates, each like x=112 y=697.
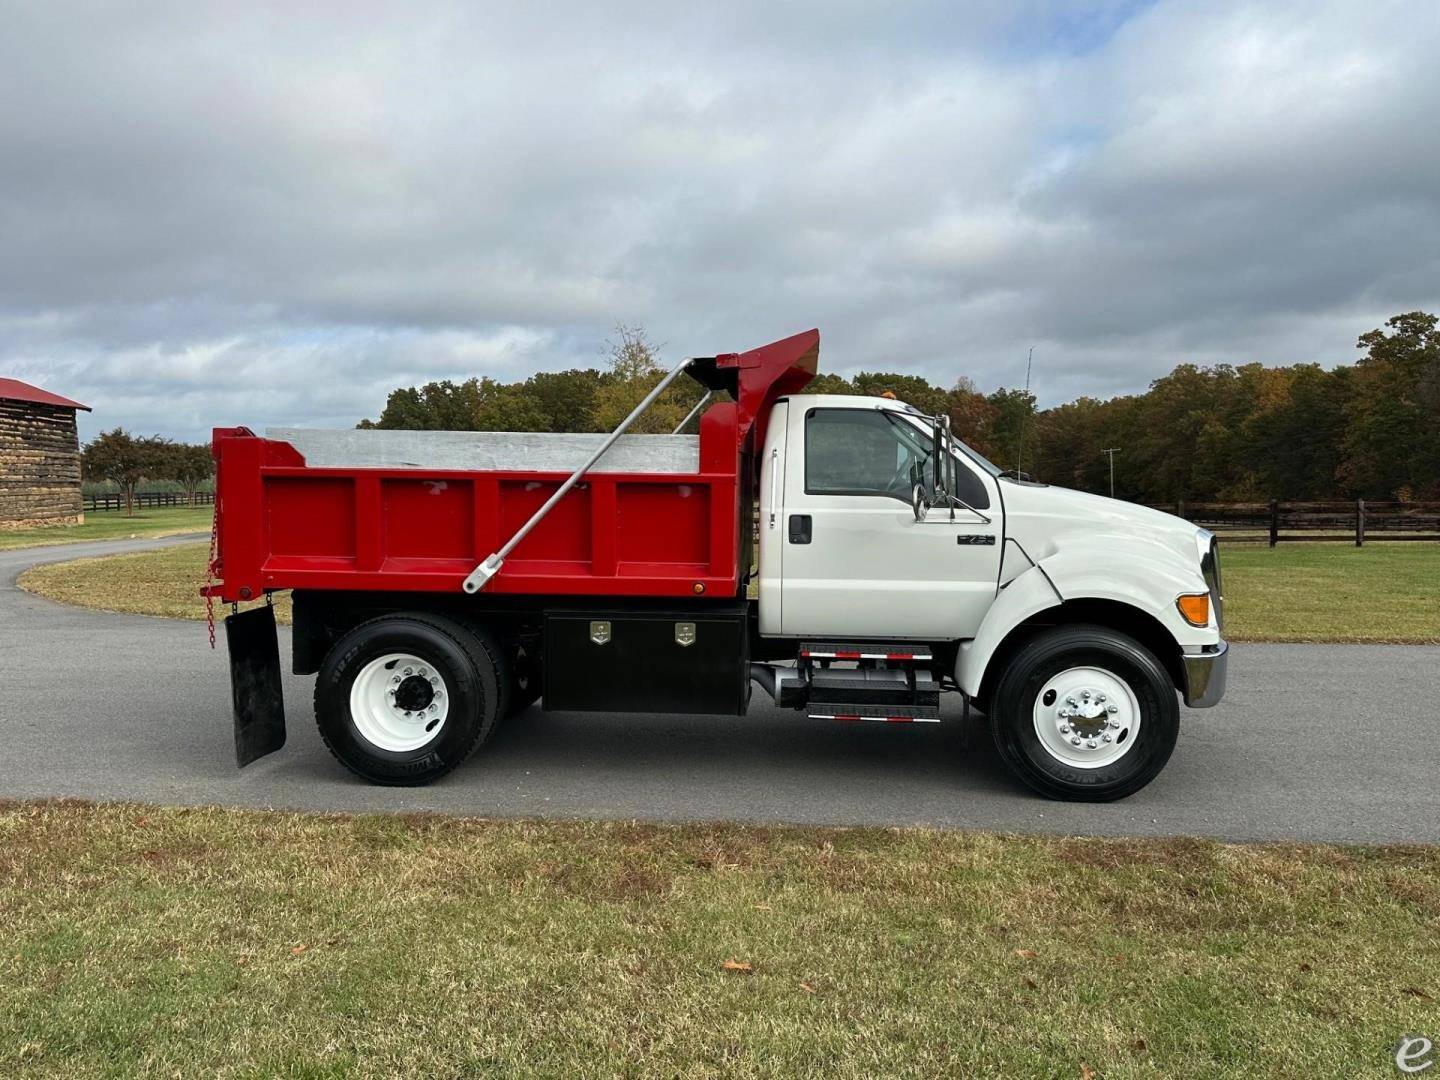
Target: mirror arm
x=955 y=501
x=943 y=423
x=949 y=446
x=936 y=449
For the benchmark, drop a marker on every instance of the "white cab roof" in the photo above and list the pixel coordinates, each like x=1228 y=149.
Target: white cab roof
x=849 y=401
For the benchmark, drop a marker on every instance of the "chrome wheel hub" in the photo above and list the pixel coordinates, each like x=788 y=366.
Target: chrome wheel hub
x=1086 y=717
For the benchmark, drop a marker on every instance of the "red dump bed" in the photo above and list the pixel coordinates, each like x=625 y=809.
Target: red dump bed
x=283 y=524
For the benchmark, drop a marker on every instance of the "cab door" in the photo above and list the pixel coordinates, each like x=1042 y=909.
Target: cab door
x=856 y=562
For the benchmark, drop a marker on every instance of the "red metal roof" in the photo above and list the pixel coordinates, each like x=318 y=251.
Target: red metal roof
x=16 y=390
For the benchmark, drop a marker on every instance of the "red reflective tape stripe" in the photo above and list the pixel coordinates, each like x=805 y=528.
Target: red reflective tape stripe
x=851 y=718
x=864 y=655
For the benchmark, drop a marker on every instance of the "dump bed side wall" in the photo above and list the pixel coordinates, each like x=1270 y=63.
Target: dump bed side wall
x=285 y=525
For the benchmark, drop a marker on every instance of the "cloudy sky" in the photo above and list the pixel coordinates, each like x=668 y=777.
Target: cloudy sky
x=224 y=213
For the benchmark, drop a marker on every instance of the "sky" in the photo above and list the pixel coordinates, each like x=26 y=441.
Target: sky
x=275 y=213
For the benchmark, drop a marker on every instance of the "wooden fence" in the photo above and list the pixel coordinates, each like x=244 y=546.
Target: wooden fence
x=1346 y=521
x=116 y=501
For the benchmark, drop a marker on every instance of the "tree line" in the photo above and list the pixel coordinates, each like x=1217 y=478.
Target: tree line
x=557 y=401
x=1367 y=430
x=128 y=461
x=1223 y=433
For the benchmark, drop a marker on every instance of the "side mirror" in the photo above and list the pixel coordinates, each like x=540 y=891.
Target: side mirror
x=920 y=501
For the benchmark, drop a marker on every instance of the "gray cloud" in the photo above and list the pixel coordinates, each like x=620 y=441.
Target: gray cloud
x=222 y=213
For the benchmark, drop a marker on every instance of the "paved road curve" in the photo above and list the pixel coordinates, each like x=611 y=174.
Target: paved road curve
x=1313 y=742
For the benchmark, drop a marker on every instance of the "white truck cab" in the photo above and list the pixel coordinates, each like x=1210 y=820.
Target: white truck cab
x=1072 y=619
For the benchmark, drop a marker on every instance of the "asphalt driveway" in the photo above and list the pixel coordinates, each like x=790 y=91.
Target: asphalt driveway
x=1314 y=742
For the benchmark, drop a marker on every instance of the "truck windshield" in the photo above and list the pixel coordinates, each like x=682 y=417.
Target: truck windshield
x=959 y=479
x=979 y=458
x=920 y=429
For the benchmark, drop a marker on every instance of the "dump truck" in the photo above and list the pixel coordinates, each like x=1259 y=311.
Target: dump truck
x=849 y=555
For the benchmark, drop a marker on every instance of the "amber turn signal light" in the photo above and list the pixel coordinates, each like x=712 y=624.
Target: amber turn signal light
x=1195 y=608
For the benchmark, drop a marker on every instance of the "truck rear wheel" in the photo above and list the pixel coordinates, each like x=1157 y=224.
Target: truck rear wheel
x=406 y=698
x=1085 y=713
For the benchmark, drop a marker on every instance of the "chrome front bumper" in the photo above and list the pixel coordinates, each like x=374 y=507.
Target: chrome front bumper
x=1205 y=676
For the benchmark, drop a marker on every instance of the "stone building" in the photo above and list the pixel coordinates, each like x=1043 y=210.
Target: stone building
x=39 y=457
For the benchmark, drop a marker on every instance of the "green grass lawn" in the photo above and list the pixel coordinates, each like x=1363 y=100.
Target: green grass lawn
x=1296 y=592
x=114 y=525
x=1332 y=592
x=229 y=943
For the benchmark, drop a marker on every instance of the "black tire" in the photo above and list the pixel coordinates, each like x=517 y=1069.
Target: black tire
x=464 y=657
x=1047 y=655
x=525 y=681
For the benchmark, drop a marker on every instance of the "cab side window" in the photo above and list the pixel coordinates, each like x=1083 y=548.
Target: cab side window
x=855 y=452
x=862 y=452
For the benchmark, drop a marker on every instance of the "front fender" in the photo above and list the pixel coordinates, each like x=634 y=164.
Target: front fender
x=1139 y=577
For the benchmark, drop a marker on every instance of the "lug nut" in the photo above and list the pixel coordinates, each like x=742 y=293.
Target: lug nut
x=1091 y=744
x=1106 y=737
x=1069 y=701
x=420 y=672
x=409 y=671
x=1112 y=709
x=1075 y=740
x=396 y=679
x=1099 y=697
x=1084 y=695
x=1064 y=729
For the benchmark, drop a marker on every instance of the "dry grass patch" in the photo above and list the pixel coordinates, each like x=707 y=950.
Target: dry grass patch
x=165 y=582
x=215 y=942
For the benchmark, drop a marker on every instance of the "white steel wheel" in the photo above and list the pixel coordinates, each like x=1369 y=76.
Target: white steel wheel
x=399 y=702
x=1087 y=717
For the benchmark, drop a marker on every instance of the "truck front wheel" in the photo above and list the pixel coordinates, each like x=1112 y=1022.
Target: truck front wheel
x=1085 y=713
x=406 y=698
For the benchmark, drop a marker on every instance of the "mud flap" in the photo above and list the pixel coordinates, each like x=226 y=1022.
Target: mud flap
x=255 y=684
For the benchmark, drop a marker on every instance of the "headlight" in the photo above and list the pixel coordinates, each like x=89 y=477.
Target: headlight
x=1207 y=544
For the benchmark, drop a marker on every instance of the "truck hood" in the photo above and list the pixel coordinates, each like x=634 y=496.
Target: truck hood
x=1045 y=518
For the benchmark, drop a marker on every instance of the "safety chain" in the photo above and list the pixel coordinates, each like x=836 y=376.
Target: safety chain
x=210 y=573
